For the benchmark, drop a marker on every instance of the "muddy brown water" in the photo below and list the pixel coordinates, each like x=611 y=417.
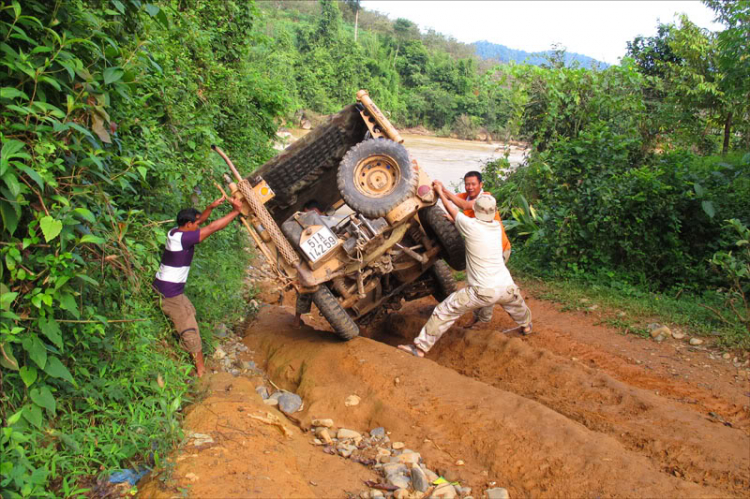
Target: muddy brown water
x=448 y=159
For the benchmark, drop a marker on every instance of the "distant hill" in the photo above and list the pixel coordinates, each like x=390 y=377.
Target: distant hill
x=487 y=50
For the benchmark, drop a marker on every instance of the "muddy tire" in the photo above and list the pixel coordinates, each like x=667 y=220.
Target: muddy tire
x=375 y=176
x=445 y=284
x=329 y=307
x=437 y=226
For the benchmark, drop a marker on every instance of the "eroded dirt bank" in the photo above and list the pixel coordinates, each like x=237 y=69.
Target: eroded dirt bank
x=576 y=410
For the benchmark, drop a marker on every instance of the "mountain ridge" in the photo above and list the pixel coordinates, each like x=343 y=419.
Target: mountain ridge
x=505 y=54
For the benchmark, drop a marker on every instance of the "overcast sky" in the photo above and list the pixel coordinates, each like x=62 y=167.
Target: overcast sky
x=599 y=29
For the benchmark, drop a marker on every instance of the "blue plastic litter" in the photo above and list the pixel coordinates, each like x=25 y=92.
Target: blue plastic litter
x=128 y=475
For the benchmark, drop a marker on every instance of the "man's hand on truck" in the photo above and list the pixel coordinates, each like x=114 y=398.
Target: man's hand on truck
x=236 y=204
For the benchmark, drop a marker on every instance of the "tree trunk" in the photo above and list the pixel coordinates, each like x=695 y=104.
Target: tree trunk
x=727 y=134
x=356 y=24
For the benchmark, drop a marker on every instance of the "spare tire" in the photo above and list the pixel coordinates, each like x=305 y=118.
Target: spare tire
x=437 y=226
x=375 y=176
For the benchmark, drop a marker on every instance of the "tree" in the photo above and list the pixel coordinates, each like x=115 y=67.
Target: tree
x=405 y=30
x=354 y=6
x=687 y=94
x=734 y=58
x=328 y=29
x=650 y=53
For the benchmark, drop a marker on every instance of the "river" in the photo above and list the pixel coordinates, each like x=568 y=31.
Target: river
x=447 y=159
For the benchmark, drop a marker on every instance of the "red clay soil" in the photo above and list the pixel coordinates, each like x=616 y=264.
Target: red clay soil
x=575 y=410
x=249 y=458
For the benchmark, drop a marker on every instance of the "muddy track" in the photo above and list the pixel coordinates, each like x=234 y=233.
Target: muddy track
x=677 y=439
x=519 y=413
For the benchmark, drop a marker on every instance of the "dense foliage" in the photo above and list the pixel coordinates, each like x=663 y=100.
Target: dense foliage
x=419 y=79
x=624 y=182
x=108 y=111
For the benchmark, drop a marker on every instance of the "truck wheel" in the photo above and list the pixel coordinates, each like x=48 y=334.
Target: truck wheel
x=436 y=225
x=329 y=307
x=445 y=284
x=375 y=176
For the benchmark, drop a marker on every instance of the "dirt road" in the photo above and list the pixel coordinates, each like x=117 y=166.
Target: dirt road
x=577 y=410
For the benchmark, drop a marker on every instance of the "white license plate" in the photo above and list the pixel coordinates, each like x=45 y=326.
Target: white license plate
x=319 y=244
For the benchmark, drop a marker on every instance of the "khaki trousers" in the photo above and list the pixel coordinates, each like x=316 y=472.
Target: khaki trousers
x=468 y=299
x=484 y=314
x=182 y=312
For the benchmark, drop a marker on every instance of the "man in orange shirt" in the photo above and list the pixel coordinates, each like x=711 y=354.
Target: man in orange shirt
x=465 y=201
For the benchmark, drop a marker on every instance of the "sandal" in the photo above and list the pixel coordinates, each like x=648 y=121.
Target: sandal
x=412 y=350
x=526 y=330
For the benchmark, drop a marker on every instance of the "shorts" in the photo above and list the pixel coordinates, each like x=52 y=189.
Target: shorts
x=182 y=313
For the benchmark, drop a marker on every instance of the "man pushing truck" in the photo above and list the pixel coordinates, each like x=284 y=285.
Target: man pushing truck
x=488 y=281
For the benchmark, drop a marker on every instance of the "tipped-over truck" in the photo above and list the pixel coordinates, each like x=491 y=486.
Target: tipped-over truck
x=377 y=237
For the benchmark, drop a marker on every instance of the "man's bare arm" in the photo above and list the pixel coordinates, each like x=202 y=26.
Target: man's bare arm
x=222 y=222
x=207 y=212
x=462 y=204
x=452 y=210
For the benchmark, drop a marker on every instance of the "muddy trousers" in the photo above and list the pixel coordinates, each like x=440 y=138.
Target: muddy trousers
x=182 y=312
x=470 y=299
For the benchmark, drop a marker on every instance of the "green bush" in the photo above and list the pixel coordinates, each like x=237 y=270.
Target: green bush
x=735 y=268
x=107 y=117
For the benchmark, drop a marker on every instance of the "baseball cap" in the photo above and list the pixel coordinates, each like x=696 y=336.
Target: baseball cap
x=484 y=208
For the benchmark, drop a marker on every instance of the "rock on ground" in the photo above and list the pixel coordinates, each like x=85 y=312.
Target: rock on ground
x=419 y=479
x=445 y=490
x=399 y=481
x=346 y=450
x=262 y=391
x=497 y=493
x=377 y=432
x=289 y=403
x=431 y=475
x=344 y=434
x=394 y=469
x=323 y=434
x=352 y=400
x=409 y=458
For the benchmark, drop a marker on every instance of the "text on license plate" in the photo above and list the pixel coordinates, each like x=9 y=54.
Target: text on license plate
x=319 y=244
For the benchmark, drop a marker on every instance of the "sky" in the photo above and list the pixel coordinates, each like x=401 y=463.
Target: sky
x=598 y=29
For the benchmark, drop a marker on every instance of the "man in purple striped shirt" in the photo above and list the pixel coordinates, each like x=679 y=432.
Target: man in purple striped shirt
x=175 y=265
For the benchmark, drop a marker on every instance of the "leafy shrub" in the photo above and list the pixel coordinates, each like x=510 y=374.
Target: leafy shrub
x=465 y=127
x=108 y=112
x=735 y=268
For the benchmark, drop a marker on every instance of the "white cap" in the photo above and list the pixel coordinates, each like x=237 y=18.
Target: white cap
x=484 y=208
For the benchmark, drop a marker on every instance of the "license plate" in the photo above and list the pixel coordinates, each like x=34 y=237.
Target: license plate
x=319 y=244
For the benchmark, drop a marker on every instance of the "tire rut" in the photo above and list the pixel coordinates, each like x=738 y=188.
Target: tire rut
x=677 y=439
x=535 y=450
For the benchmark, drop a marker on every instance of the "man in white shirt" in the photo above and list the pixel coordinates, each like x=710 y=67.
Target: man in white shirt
x=487 y=278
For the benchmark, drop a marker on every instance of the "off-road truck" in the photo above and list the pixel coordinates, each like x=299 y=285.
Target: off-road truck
x=390 y=245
